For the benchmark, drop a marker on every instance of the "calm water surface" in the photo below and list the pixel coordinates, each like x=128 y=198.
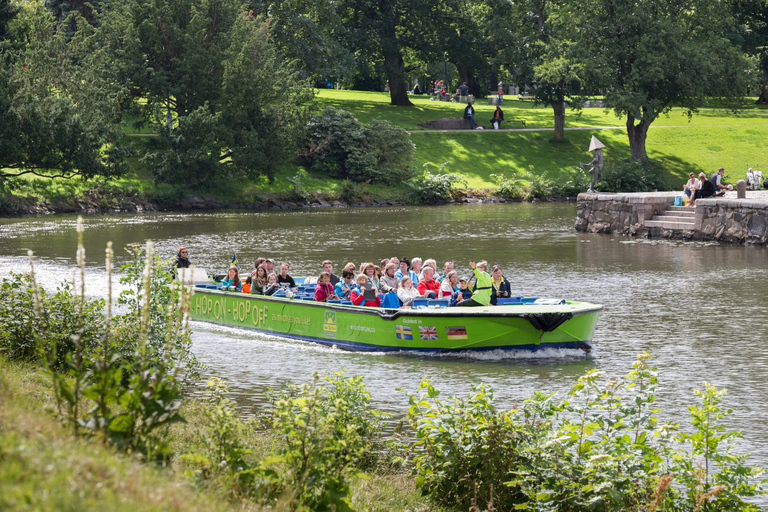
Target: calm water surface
x=697 y=307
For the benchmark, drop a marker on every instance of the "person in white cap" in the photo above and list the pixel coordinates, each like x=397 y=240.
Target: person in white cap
x=596 y=163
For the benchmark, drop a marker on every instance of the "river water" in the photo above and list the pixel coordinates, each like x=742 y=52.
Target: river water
x=698 y=308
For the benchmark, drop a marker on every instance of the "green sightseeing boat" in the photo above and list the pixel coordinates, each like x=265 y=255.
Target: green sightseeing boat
x=517 y=323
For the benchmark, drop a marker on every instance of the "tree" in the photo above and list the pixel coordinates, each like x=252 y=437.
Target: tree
x=538 y=58
x=55 y=112
x=752 y=16
x=254 y=109
x=648 y=56
x=8 y=12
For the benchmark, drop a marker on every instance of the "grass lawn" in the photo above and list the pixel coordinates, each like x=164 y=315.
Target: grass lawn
x=711 y=139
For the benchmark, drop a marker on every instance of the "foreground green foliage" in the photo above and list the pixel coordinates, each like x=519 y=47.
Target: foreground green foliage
x=123 y=383
x=600 y=449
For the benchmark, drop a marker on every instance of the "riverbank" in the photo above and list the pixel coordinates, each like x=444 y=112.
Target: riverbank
x=481 y=159
x=653 y=215
x=95 y=202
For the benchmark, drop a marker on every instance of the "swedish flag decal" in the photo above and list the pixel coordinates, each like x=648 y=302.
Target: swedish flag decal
x=403 y=332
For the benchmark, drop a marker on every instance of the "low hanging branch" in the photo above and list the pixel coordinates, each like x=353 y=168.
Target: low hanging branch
x=37 y=172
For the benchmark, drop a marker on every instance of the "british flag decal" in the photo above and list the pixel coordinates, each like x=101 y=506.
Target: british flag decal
x=428 y=333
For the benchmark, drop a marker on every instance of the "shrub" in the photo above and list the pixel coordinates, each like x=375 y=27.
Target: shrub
x=629 y=176
x=393 y=150
x=62 y=321
x=339 y=146
x=125 y=378
x=600 y=449
x=435 y=188
x=329 y=433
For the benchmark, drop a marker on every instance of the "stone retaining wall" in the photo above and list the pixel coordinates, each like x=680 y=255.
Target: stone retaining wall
x=740 y=221
x=728 y=219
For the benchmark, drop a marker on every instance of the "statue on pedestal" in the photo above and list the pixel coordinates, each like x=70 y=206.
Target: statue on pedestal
x=594 y=167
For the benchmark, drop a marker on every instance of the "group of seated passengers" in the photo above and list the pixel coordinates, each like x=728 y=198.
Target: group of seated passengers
x=408 y=279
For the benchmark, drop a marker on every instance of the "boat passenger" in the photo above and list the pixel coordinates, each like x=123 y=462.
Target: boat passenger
x=324 y=290
x=182 y=259
x=395 y=260
x=284 y=278
x=350 y=266
x=462 y=294
x=272 y=285
x=369 y=270
x=364 y=294
x=449 y=285
x=389 y=282
x=259 y=282
x=232 y=281
x=481 y=295
x=404 y=271
x=247 y=285
x=269 y=264
x=428 y=287
x=346 y=285
x=328 y=267
x=447 y=268
x=416 y=267
x=501 y=288
x=256 y=264
x=406 y=292
x=428 y=263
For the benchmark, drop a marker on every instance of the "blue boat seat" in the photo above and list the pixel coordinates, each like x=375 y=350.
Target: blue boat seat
x=420 y=302
x=440 y=303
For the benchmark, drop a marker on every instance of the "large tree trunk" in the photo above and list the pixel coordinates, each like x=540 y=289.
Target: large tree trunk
x=637 y=134
x=559 y=108
x=398 y=85
x=763 y=98
x=393 y=56
x=468 y=77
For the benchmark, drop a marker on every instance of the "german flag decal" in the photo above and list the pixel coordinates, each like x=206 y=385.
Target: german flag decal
x=456 y=333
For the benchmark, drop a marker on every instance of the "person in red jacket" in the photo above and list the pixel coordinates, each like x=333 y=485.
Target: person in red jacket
x=364 y=294
x=324 y=290
x=428 y=287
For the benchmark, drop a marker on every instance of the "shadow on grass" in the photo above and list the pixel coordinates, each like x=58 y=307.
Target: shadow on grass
x=476 y=156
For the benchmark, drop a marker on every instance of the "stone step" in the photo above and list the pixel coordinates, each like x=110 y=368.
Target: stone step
x=676 y=226
x=686 y=211
x=668 y=217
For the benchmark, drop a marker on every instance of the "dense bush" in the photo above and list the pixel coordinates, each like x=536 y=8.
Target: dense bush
x=65 y=319
x=600 y=449
x=528 y=185
x=435 y=188
x=628 y=176
x=339 y=146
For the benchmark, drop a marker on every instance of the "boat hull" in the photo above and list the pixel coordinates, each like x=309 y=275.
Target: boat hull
x=527 y=327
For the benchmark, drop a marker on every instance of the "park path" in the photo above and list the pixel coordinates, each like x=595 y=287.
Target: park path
x=571 y=129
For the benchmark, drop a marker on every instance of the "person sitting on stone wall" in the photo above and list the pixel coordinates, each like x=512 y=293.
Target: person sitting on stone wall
x=707 y=190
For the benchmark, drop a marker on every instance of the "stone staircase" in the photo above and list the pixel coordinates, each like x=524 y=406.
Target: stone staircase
x=676 y=218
